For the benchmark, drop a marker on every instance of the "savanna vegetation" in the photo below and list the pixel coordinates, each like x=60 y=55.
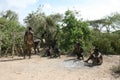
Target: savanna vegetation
x=66 y=29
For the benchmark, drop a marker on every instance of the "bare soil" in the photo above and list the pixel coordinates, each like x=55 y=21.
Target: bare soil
x=64 y=68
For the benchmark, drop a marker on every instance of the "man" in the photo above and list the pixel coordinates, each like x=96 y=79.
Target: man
x=43 y=36
x=29 y=41
x=36 y=45
x=96 y=57
x=43 y=41
x=78 y=51
x=48 y=52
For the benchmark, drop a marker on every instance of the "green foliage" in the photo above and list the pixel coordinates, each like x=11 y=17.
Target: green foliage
x=108 y=23
x=40 y=22
x=10 y=30
x=73 y=30
x=108 y=43
x=66 y=30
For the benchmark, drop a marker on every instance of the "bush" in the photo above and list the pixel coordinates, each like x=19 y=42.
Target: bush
x=107 y=43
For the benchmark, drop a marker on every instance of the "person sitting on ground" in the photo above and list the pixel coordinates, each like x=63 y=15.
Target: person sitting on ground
x=96 y=57
x=56 y=52
x=78 y=51
x=48 y=52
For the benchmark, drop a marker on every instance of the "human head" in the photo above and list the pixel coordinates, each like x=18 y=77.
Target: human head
x=30 y=28
x=96 y=50
x=78 y=44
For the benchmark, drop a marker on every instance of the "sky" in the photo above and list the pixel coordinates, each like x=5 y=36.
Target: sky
x=89 y=9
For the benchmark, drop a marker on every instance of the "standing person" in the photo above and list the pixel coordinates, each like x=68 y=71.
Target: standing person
x=29 y=41
x=43 y=36
x=79 y=51
x=96 y=57
x=36 y=45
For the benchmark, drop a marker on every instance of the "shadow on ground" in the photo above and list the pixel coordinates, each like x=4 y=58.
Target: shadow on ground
x=75 y=63
x=7 y=60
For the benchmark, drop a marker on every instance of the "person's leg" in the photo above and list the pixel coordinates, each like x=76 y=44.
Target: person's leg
x=81 y=55
x=35 y=49
x=95 y=61
x=90 y=57
x=100 y=60
x=25 y=51
x=78 y=55
x=29 y=53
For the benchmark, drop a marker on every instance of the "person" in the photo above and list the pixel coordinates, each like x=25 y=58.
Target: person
x=36 y=45
x=96 y=57
x=56 y=52
x=48 y=52
x=78 y=50
x=43 y=36
x=29 y=41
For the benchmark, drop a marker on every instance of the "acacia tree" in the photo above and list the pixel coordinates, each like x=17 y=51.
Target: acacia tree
x=108 y=23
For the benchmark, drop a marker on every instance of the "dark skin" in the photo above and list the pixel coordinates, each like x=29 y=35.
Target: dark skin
x=96 y=57
x=47 y=53
x=29 y=42
x=44 y=39
x=78 y=51
x=36 y=46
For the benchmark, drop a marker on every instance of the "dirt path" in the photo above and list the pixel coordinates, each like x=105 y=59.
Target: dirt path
x=39 y=68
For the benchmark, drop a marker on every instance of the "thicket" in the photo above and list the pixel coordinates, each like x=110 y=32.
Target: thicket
x=67 y=29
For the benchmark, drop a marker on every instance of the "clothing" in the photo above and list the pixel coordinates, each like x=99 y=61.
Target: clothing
x=96 y=58
x=78 y=51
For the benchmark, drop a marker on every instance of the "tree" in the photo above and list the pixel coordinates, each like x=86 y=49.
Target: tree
x=41 y=23
x=11 y=31
x=109 y=22
x=9 y=15
x=73 y=30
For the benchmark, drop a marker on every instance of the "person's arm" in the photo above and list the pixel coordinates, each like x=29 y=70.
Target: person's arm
x=81 y=49
x=99 y=54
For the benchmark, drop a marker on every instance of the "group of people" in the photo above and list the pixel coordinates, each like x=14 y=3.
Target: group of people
x=95 y=55
x=31 y=43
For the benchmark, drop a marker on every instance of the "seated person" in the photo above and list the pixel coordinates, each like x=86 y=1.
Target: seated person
x=53 y=53
x=48 y=52
x=96 y=57
x=56 y=52
x=78 y=51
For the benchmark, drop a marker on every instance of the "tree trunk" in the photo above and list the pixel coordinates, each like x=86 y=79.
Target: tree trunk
x=13 y=50
x=16 y=50
x=0 y=51
x=6 y=51
x=21 y=50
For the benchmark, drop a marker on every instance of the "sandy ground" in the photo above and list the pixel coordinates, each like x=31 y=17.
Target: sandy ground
x=64 y=68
